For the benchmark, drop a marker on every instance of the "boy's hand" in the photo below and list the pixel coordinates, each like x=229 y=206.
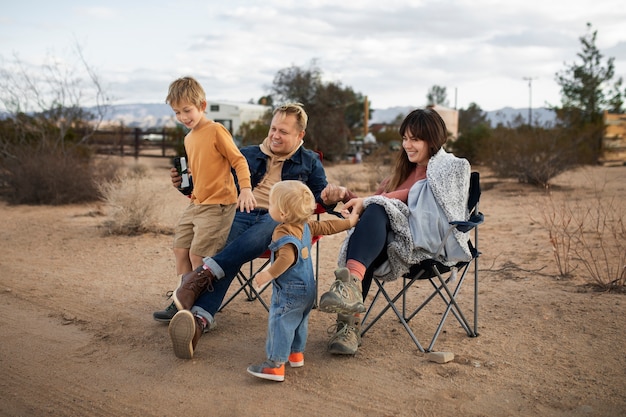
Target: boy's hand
x=246 y=200
x=177 y=179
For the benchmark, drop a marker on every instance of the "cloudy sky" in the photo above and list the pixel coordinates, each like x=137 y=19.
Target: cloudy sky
x=393 y=51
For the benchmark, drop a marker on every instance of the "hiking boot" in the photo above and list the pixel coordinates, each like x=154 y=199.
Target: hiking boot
x=268 y=370
x=347 y=335
x=166 y=315
x=345 y=295
x=192 y=284
x=185 y=330
x=296 y=359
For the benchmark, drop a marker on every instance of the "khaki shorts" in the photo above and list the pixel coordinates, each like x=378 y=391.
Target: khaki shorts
x=204 y=228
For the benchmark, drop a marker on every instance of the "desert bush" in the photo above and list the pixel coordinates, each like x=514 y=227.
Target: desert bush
x=590 y=233
x=532 y=155
x=556 y=217
x=135 y=204
x=34 y=175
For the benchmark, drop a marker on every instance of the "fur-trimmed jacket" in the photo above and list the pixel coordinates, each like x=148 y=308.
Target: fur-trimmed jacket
x=419 y=226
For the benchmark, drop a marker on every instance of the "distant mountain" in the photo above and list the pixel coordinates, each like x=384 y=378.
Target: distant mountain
x=540 y=115
x=141 y=115
x=159 y=115
x=505 y=115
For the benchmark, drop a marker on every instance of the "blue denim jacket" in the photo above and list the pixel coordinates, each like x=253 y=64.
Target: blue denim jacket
x=304 y=165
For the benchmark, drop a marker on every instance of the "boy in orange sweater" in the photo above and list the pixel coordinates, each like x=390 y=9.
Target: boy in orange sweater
x=211 y=153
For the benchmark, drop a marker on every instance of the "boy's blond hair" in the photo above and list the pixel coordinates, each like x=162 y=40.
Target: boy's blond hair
x=297 y=110
x=294 y=199
x=186 y=90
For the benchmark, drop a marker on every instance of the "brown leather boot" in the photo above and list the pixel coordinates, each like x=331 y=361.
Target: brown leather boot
x=192 y=284
x=185 y=330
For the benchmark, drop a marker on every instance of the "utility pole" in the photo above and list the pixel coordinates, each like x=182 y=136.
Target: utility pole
x=366 y=118
x=530 y=99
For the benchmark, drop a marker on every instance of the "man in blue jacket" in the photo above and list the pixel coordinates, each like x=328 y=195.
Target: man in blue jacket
x=281 y=156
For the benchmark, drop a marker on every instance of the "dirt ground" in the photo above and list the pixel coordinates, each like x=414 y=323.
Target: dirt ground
x=78 y=338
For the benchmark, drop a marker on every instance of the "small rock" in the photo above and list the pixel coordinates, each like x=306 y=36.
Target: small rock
x=440 y=357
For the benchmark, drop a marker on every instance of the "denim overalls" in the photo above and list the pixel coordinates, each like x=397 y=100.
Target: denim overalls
x=293 y=297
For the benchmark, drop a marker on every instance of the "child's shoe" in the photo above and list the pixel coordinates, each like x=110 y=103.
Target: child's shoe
x=296 y=359
x=268 y=370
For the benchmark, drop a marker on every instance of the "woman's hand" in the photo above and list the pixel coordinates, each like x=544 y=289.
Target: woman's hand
x=246 y=200
x=356 y=204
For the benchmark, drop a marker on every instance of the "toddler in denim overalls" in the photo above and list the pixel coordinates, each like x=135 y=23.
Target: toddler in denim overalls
x=291 y=203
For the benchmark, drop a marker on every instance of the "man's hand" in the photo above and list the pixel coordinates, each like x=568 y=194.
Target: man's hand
x=333 y=194
x=246 y=200
x=177 y=179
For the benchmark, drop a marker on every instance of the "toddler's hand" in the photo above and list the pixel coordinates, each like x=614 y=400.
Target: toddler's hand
x=261 y=279
x=353 y=216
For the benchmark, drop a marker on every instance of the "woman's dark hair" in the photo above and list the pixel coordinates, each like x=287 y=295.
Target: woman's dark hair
x=427 y=125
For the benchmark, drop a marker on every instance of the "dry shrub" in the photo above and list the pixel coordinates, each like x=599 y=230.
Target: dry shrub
x=531 y=155
x=557 y=219
x=53 y=177
x=590 y=233
x=137 y=203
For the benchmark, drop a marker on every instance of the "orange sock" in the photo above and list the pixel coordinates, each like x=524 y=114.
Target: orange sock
x=356 y=268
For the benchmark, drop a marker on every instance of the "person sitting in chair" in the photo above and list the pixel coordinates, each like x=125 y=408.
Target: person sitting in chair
x=403 y=224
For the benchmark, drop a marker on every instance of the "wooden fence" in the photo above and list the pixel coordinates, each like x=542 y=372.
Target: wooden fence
x=125 y=141
x=614 y=141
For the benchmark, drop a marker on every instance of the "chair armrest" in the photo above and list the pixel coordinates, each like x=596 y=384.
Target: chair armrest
x=466 y=226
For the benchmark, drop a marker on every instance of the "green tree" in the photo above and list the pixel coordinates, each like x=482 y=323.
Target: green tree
x=474 y=131
x=437 y=95
x=616 y=98
x=335 y=112
x=584 y=86
x=471 y=117
x=253 y=132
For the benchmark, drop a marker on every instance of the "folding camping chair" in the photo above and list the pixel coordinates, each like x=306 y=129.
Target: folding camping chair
x=446 y=281
x=245 y=277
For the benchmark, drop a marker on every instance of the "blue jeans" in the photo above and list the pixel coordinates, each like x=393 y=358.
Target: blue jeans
x=249 y=237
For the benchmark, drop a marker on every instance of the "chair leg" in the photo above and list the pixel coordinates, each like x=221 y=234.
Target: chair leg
x=390 y=304
x=441 y=288
x=245 y=285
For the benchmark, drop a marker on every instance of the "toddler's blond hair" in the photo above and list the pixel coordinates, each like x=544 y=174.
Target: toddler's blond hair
x=294 y=199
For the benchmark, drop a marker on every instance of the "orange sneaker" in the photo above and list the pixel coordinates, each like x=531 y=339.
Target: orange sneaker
x=268 y=370
x=296 y=359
